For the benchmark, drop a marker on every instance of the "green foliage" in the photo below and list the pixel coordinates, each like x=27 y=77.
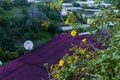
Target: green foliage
x=20 y=2
x=76 y=4
x=29 y=35
x=55 y=16
x=6 y=4
x=98 y=64
x=20 y=23
x=67 y=1
x=2 y=11
x=6 y=56
x=75 y=67
x=2 y=56
x=4 y=19
x=82 y=0
x=11 y=55
x=7 y=43
x=84 y=5
x=107 y=64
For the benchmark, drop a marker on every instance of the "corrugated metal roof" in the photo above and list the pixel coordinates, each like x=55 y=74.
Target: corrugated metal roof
x=31 y=66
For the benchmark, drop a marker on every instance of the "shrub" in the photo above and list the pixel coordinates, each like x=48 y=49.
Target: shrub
x=84 y=5
x=20 y=2
x=6 y=4
x=76 y=4
x=85 y=64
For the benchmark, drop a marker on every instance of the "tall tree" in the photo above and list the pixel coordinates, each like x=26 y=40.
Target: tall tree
x=6 y=4
x=20 y=2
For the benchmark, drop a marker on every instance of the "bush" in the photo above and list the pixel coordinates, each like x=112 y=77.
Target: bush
x=86 y=64
x=29 y=35
x=4 y=21
x=84 y=5
x=6 y=4
x=7 y=43
x=2 y=11
x=52 y=29
x=20 y=2
x=7 y=56
x=76 y=4
x=11 y=55
x=53 y=15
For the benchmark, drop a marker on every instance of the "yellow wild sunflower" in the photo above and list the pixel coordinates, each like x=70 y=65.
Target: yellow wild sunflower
x=82 y=69
x=61 y=62
x=82 y=51
x=73 y=33
x=90 y=21
x=61 y=1
x=87 y=55
x=84 y=40
x=118 y=19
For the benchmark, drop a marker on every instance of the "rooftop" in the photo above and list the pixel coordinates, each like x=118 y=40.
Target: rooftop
x=31 y=66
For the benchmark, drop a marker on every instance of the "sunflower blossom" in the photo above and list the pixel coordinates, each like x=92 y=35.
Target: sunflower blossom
x=82 y=51
x=73 y=33
x=87 y=55
x=84 y=40
x=61 y=62
x=90 y=21
x=82 y=69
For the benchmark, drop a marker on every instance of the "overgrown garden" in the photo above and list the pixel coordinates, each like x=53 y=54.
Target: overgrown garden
x=21 y=21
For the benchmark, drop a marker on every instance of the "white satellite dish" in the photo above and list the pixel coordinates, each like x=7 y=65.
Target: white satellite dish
x=28 y=45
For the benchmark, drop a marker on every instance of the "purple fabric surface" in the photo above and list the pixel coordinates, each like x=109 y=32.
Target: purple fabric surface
x=30 y=66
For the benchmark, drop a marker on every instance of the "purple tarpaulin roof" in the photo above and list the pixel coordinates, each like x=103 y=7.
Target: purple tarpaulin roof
x=30 y=66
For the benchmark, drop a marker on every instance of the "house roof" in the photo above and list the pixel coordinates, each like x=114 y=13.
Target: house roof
x=73 y=8
x=67 y=4
x=65 y=28
x=31 y=65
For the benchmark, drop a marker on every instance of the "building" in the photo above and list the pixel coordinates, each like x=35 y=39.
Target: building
x=65 y=28
x=67 y=5
x=89 y=3
x=34 y=0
